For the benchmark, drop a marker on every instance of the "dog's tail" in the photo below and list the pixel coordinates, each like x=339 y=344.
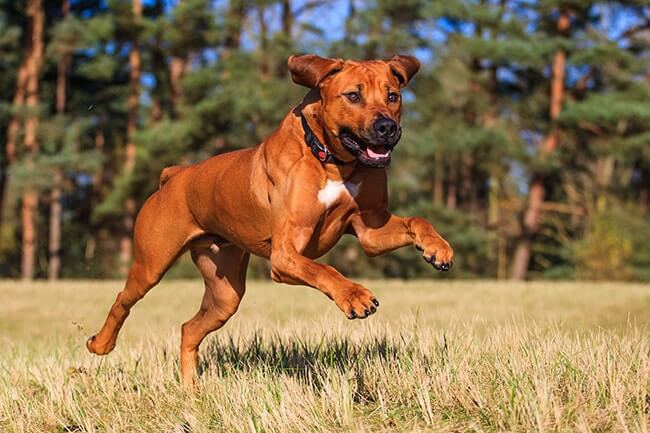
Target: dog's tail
x=168 y=172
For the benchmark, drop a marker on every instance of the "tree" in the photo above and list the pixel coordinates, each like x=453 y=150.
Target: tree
x=130 y=148
x=536 y=193
x=522 y=168
x=56 y=208
x=13 y=50
x=33 y=64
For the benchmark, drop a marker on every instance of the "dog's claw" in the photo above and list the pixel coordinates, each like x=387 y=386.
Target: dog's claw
x=442 y=266
x=438 y=253
x=439 y=266
x=375 y=301
x=356 y=302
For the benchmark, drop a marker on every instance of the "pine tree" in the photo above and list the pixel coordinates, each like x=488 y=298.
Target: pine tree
x=12 y=83
x=56 y=208
x=29 y=212
x=500 y=151
x=130 y=147
x=521 y=260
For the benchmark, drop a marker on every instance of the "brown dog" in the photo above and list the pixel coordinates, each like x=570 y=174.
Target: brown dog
x=319 y=175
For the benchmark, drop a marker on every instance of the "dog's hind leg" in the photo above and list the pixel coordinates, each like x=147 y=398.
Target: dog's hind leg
x=161 y=235
x=224 y=274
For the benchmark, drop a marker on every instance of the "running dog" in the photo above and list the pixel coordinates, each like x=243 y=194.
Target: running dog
x=320 y=175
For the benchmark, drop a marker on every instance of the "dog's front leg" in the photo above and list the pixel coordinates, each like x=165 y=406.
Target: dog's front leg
x=289 y=266
x=380 y=232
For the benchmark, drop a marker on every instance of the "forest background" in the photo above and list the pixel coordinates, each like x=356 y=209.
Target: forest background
x=526 y=143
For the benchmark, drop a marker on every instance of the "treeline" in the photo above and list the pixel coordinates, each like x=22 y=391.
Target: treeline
x=527 y=131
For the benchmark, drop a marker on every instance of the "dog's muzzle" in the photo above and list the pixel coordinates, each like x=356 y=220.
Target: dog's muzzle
x=376 y=150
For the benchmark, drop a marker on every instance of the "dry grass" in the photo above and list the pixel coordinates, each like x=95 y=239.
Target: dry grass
x=462 y=356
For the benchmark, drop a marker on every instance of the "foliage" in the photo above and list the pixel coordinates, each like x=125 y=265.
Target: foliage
x=214 y=79
x=615 y=242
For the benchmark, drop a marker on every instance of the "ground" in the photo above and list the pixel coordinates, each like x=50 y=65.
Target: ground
x=437 y=356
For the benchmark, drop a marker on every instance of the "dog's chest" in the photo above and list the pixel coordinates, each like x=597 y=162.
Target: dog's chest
x=335 y=190
x=338 y=198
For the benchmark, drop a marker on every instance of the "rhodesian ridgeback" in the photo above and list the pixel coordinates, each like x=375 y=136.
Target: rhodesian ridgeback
x=320 y=175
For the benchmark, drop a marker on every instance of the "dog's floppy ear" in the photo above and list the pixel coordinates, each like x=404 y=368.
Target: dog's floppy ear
x=309 y=70
x=403 y=67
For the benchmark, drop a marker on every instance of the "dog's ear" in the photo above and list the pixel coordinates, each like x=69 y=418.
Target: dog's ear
x=310 y=70
x=404 y=67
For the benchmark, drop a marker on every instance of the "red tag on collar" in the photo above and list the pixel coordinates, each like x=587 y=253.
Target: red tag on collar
x=322 y=155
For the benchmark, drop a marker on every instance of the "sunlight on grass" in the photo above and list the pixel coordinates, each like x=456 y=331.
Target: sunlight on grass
x=461 y=356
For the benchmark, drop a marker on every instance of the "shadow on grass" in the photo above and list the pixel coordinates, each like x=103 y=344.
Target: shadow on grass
x=309 y=361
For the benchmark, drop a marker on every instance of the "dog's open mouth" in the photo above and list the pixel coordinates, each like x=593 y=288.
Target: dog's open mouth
x=374 y=155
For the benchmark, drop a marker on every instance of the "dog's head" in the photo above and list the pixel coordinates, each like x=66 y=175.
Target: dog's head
x=360 y=102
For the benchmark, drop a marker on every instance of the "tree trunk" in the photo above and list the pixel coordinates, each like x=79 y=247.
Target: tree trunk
x=37 y=18
x=494 y=183
x=56 y=209
x=19 y=100
x=468 y=194
x=452 y=188
x=494 y=225
x=537 y=191
x=280 y=67
x=263 y=43
x=100 y=141
x=98 y=182
x=159 y=72
x=177 y=70
x=4 y=178
x=234 y=24
x=438 y=178
x=130 y=149
x=287 y=19
x=29 y=211
x=13 y=128
x=156 y=113
x=604 y=171
x=30 y=196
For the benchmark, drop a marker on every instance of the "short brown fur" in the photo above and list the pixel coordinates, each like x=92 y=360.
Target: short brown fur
x=265 y=201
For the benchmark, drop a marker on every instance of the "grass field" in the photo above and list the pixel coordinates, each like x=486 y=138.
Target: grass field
x=438 y=356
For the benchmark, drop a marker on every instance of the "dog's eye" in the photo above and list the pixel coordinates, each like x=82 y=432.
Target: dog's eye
x=353 y=96
x=393 y=97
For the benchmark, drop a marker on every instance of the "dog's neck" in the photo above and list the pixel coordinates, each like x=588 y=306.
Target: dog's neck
x=318 y=149
x=349 y=164
x=310 y=108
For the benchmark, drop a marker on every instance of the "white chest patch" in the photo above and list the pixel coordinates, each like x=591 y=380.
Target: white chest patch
x=333 y=190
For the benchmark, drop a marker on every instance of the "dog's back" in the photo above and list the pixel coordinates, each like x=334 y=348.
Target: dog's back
x=168 y=172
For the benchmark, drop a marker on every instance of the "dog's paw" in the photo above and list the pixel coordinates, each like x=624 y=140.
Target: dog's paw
x=437 y=252
x=97 y=349
x=357 y=302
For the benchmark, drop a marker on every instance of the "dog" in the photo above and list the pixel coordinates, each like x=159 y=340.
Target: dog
x=320 y=175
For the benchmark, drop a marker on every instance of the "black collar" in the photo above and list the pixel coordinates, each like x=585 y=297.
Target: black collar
x=316 y=146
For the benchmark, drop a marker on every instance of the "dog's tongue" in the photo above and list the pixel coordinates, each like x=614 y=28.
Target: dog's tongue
x=378 y=152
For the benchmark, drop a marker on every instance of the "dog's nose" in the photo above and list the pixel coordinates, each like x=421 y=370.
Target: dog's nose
x=385 y=128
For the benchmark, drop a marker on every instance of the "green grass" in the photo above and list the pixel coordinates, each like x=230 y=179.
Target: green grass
x=438 y=356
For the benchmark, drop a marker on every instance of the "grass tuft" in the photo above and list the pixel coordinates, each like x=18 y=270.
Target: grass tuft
x=438 y=357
